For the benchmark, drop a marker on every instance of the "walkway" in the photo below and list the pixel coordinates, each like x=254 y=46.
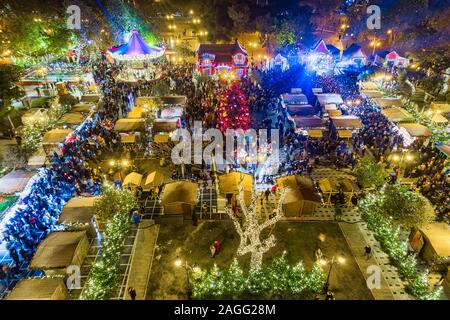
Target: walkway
x=141 y=263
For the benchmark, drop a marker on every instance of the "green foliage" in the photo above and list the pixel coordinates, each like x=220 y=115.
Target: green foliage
x=68 y=100
x=278 y=279
x=407 y=208
x=369 y=173
x=388 y=235
x=103 y=278
x=9 y=75
x=113 y=201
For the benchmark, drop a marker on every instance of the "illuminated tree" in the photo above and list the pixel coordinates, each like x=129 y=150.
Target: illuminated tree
x=9 y=75
x=233 y=111
x=250 y=228
x=369 y=173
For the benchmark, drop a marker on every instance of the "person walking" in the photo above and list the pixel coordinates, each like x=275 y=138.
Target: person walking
x=367 y=252
x=132 y=293
x=212 y=248
x=217 y=246
x=267 y=194
x=194 y=219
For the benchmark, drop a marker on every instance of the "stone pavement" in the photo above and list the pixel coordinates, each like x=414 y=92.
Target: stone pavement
x=141 y=263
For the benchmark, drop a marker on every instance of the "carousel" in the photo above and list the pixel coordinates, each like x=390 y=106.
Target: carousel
x=137 y=55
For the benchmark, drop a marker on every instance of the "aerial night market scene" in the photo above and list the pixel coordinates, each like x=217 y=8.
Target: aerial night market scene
x=198 y=151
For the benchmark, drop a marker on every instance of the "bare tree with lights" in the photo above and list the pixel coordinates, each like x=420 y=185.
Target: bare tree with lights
x=251 y=228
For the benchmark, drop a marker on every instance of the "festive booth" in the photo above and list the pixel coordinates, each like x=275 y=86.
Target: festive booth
x=388 y=102
x=313 y=122
x=128 y=138
x=135 y=113
x=352 y=57
x=161 y=137
x=397 y=115
x=371 y=94
x=217 y=59
x=132 y=180
x=334 y=113
x=441 y=107
x=53 y=138
x=329 y=98
x=90 y=98
x=152 y=180
x=302 y=197
x=39 y=289
x=128 y=125
x=165 y=125
x=368 y=85
x=328 y=188
x=349 y=188
x=15 y=181
x=315 y=133
x=147 y=102
x=433 y=243
x=295 y=99
x=60 y=250
x=171 y=112
x=35 y=116
x=228 y=186
x=83 y=108
x=439 y=119
x=316 y=91
x=71 y=119
x=415 y=130
x=346 y=123
x=173 y=100
x=79 y=212
x=179 y=198
x=37 y=160
x=279 y=62
x=320 y=59
x=300 y=110
x=393 y=59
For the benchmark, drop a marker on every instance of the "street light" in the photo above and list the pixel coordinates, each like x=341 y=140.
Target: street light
x=194 y=268
x=338 y=260
x=400 y=159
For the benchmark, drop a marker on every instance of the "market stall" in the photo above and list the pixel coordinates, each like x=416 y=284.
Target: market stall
x=315 y=133
x=352 y=123
x=313 y=122
x=397 y=115
x=328 y=188
x=83 y=108
x=179 y=198
x=298 y=98
x=171 y=112
x=300 y=110
x=350 y=189
x=301 y=198
x=432 y=242
x=228 y=187
x=132 y=180
x=371 y=94
x=15 y=181
x=60 y=250
x=128 y=138
x=39 y=289
x=79 y=212
x=53 y=139
x=92 y=98
x=128 y=125
x=35 y=116
x=71 y=119
x=388 y=102
x=368 y=85
x=165 y=125
x=152 y=180
x=329 y=98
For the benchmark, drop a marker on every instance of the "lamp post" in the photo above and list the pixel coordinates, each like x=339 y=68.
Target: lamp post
x=187 y=268
x=400 y=159
x=334 y=260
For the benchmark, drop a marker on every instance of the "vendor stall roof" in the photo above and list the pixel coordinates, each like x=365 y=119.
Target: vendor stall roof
x=161 y=138
x=92 y=97
x=153 y=179
x=301 y=188
x=372 y=93
x=39 y=289
x=440 y=106
x=126 y=125
x=300 y=110
x=57 y=250
x=439 y=118
x=388 y=102
x=308 y=122
x=335 y=113
x=171 y=112
x=180 y=191
x=229 y=182
x=134 y=114
x=314 y=133
x=329 y=98
x=56 y=136
x=15 y=181
x=347 y=122
x=82 y=108
x=438 y=235
x=416 y=130
x=72 y=118
x=129 y=138
x=298 y=98
x=397 y=114
x=78 y=209
x=132 y=179
x=369 y=85
x=345 y=134
x=165 y=125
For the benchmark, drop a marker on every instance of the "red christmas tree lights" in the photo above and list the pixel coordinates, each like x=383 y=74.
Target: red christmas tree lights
x=233 y=111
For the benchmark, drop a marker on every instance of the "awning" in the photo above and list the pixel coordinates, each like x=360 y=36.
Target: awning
x=347 y=122
x=344 y=134
x=126 y=125
x=315 y=133
x=416 y=130
x=56 y=136
x=442 y=107
x=335 y=113
x=133 y=179
x=329 y=98
x=397 y=114
x=439 y=118
x=326 y=186
x=131 y=138
x=308 y=122
x=134 y=114
x=388 y=102
x=153 y=179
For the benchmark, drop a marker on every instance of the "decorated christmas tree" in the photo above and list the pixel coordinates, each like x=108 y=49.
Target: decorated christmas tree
x=233 y=111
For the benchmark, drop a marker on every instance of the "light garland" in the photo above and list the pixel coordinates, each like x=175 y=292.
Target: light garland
x=250 y=230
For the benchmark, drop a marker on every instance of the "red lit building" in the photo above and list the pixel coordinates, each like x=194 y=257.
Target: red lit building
x=216 y=59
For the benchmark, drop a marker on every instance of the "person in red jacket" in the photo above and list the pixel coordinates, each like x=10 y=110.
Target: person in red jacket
x=217 y=246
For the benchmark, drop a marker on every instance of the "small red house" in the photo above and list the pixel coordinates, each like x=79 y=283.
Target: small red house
x=216 y=59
